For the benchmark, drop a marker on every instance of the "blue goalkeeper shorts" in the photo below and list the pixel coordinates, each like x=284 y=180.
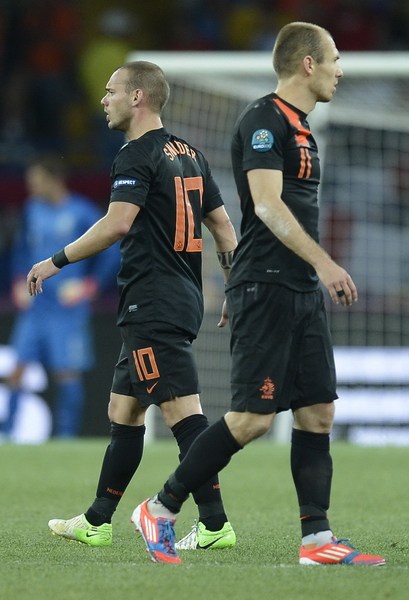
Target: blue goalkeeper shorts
x=59 y=342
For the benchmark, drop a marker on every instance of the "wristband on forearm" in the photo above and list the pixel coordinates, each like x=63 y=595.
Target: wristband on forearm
x=60 y=259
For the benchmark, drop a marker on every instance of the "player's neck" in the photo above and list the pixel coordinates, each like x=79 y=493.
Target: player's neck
x=138 y=129
x=293 y=92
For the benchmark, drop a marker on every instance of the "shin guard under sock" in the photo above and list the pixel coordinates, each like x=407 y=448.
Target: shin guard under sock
x=208 y=455
x=208 y=496
x=122 y=458
x=311 y=467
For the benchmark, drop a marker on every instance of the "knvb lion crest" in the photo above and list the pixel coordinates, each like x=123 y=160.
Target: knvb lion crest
x=267 y=389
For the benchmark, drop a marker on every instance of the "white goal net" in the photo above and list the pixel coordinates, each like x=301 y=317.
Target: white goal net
x=363 y=136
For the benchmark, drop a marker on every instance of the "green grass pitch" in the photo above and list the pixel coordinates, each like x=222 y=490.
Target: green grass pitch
x=58 y=479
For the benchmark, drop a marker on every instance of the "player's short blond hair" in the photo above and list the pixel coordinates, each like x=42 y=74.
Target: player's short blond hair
x=151 y=79
x=295 y=41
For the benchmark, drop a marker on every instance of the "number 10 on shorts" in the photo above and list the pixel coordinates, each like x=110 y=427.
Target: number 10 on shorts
x=145 y=364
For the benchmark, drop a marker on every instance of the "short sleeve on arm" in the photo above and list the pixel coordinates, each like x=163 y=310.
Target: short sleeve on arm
x=131 y=176
x=263 y=133
x=212 y=198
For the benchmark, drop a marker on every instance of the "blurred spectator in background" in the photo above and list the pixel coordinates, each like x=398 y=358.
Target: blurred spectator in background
x=13 y=135
x=52 y=39
x=41 y=42
x=103 y=54
x=195 y=25
x=243 y=24
x=53 y=328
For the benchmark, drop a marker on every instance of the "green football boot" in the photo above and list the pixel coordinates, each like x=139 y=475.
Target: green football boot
x=80 y=530
x=200 y=538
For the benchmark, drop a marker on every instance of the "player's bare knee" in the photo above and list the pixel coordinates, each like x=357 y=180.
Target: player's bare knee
x=179 y=408
x=317 y=418
x=246 y=427
x=125 y=410
x=262 y=425
x=325 y=417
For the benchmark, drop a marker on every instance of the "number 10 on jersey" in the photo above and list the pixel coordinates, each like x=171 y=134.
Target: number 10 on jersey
x=187 y=218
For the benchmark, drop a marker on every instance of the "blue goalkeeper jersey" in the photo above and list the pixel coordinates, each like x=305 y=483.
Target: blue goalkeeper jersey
x=48 y=227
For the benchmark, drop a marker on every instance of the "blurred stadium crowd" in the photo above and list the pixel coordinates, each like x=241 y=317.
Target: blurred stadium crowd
x=55 y=56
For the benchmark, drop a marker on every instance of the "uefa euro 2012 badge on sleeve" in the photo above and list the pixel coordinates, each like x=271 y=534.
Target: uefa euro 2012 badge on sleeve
x=262 y=140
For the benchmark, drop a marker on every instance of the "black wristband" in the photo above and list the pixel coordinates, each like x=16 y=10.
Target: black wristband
x=60 y=259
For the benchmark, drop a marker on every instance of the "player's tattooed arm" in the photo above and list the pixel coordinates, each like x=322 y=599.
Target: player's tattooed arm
x=225 y=259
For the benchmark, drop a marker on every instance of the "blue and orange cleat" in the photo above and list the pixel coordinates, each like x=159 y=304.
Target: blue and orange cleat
x=158 y=533
x=338 y=552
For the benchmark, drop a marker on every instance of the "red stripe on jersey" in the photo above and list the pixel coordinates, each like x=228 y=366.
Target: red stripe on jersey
x=302 y=135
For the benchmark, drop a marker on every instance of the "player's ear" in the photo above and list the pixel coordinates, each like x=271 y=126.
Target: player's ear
x=308 y=64
x=137 y=96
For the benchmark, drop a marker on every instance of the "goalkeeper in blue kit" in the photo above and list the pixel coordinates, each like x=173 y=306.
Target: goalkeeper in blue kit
x=54 y=329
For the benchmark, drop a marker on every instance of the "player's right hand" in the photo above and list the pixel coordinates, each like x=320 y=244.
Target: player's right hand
x=38 y=273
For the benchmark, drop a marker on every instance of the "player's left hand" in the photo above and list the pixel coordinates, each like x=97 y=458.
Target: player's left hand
x=224 y=317
x=38 y=273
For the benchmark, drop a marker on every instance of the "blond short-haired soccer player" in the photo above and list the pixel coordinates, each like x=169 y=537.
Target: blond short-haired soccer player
x=282 y=357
